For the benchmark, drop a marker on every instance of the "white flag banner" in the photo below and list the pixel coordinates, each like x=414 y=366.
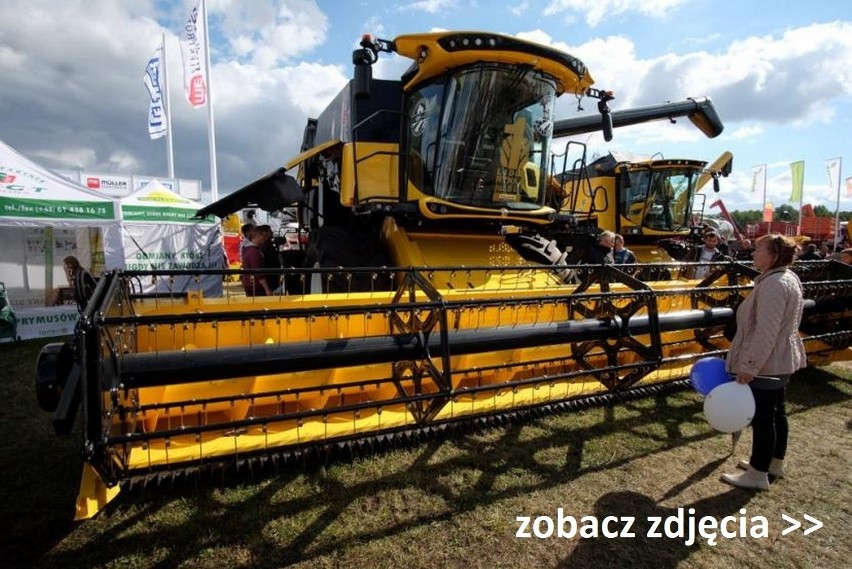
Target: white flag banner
x=849 y=186
x=192 y=48
x=757 y=176
x=154 y=83
x=832 y=168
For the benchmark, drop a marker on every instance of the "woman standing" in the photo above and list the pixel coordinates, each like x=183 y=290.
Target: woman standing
x=767 y=343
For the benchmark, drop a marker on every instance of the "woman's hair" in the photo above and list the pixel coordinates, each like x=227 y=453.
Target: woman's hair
x=783 y=247
x=71 y=261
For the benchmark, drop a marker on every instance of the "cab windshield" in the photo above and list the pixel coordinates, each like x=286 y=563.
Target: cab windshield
x=481 y=137
x=660 y=199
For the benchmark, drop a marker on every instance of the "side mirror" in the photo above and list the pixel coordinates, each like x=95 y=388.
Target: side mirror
x=606 y=116
x=606 y=125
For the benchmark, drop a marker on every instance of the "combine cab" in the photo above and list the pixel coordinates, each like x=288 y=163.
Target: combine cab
x=413 y=307
x=651 y=202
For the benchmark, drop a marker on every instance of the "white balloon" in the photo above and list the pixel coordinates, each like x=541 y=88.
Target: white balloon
x=729 y=407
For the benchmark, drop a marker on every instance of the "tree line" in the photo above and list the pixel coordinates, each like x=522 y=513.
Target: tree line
x=784 y=212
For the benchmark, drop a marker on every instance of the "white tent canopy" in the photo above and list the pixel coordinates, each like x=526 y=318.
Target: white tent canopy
x=43 y=218
x=159 y=231
x=31 y=194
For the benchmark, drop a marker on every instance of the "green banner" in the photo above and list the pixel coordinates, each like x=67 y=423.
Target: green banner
x=56 y=209
x=163 y=214
x=797 y=175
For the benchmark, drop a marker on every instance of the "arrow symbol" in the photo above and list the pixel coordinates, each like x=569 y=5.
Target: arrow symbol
x=796 y=524
x=813 y=528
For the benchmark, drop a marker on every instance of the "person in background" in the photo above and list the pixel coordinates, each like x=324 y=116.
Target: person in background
x=73 y=268
x=707 y=253
x=270 y=254
x=764 y=353
x=620 y=254
x=255 y=284
x=846 y=256
x=810 y=253
x=601 y=252
x=741 y=250
x=246 y=230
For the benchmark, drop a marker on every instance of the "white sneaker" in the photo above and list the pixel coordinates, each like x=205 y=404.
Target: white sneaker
x=776 y=467
x=751 y=478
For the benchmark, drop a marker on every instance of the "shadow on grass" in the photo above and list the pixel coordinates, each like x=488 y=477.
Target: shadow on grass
x=650 y=545
x=209 y=523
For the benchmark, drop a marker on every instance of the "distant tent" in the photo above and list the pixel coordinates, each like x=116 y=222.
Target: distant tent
x=159 y=231
x=45 y=217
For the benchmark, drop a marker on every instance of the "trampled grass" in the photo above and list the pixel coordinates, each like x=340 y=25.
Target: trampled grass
x=451 y=501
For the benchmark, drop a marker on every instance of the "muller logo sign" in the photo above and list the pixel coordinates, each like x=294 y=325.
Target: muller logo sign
x=111 y=185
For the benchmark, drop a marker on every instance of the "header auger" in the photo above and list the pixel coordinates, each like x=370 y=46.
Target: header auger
x=409 y=310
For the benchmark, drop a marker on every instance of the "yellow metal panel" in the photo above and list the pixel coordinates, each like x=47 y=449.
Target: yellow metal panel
x=438 y=61
x=94 y=494
x=378 y=172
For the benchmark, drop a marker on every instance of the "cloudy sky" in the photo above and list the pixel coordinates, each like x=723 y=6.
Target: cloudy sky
x=72 y=95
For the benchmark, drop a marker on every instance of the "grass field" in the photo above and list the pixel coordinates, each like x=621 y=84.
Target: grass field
x=451 y=501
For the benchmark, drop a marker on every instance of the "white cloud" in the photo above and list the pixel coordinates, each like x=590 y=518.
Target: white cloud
x=72 y=158
x=790 y=79
x=311 y=87
x=594 y=12
x=123 y=161
x=746 y=132
x=270 y=32
x=428 y=6
x=520 y=9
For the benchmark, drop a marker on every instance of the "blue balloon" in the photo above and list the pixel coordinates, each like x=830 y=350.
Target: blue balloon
x=708 y=373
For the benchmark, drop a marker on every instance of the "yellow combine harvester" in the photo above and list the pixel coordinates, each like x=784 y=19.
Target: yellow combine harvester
x=652 y=201
x=429 y=295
